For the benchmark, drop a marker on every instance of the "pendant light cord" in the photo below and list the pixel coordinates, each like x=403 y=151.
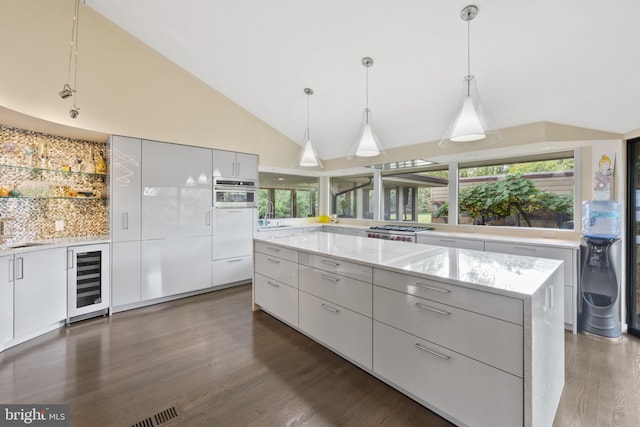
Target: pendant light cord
x=308 y=115
x=367 y=93
x=76 y=18
x=468 y=57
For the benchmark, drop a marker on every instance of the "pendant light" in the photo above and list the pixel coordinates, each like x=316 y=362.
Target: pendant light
x=367 y=145
x=469 y=124
x=309 y=156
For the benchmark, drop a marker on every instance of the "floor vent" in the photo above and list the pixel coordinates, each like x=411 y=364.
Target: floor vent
x=165 y=416
x=144 y=423
x=160 y=418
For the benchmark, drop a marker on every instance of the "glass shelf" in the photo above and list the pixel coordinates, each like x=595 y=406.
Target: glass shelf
x=34 y=169
x=51 y=198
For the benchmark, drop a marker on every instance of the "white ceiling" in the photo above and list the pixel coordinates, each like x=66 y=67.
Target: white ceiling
x=574 y=62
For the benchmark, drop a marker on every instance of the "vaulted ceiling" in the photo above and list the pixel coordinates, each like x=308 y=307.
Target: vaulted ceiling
x=572 y=61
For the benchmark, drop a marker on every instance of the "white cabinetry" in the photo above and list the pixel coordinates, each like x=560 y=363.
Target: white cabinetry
x=570 y=258
x=232 y=245
x=473 y=393
x=126 y=219
x=176 y=265
x=125 y=274
x=229 y=164
x=40 y=291
x=126 y=159
x=176 y=219
x=6 y=300
x=275 y=283
x=176 y=191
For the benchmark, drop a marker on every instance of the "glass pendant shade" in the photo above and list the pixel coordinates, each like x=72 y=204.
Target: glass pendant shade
x=309 y=157
x=467 y=126
x=367 y=144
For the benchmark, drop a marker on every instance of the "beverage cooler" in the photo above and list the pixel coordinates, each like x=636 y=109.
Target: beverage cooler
x=599 y=295
x=87 y=281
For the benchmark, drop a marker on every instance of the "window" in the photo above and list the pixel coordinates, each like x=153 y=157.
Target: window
x=526 y=192
x=287 y=196
x=415 y=196
x=352 y=196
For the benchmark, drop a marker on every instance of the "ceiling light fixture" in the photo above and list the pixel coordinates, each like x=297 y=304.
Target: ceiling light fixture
x=309 y=156
x=469 y=125
x=367 y=145
x=67 y=91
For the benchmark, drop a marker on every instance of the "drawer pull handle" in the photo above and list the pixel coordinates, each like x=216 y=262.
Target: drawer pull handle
x=435 y=310
x=331 y=309
x=431 y=288
x=423 y=348
x=334 y=264
x=275 y=285
x=275 y=261
x=235 y=260
x=271 y=248
x=331 y=279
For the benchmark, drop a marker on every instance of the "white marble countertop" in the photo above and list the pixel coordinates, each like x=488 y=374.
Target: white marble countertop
x=38 y=245
x=512 y=275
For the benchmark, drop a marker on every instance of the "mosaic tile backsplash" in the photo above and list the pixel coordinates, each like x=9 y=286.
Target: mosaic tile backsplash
x=48 y=179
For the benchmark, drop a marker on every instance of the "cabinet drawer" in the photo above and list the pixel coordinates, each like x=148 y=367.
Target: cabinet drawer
x=492 y=341
x=231 y=270
x=449 y=242
x=277 y=298
x=337 y=266
x=278 y=251
x=565 y=255
x=277 y=268
x=343 y=330
x=344 y=291
x=494 y=305
x=472 y=392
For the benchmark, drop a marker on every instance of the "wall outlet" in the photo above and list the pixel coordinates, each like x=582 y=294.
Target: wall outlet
x=59 y=225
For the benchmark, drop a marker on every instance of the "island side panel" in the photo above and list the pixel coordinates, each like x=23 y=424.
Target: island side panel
x=544 y=352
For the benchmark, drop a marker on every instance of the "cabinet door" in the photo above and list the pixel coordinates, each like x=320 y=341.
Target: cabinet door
x=6 y=300
x=277 y=298
x=345 y=331
x=125 y=271
x=40 y=290
x=224 y=163
x=174 y=266
x=247 y=166
x=126 y=158
x=472 y=392
x=233 y=232
x=176 y=190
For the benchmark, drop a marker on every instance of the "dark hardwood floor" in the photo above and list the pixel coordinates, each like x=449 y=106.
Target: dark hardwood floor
x=216 y=363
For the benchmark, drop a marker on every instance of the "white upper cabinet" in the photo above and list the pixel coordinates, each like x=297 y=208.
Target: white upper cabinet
x=126 y=158
x=229 y=164
x=6 y=300
x=176 y=190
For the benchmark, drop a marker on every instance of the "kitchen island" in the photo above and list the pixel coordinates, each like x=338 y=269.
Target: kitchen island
x=477 y=337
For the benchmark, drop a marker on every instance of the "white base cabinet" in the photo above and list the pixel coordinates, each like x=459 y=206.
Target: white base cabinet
x=40 y=290
x=473 y=393
x=126 y=262
x=231 y=270
x=174 y=266
x=6 y=300
x=476 y=357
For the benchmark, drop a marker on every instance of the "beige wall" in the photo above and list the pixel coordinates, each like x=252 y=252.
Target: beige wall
x=124 y=87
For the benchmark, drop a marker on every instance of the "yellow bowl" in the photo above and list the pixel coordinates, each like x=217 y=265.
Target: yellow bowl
x=324 y=218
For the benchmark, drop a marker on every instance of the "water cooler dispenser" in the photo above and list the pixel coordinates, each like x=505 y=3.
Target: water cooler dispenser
x=599 y=295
